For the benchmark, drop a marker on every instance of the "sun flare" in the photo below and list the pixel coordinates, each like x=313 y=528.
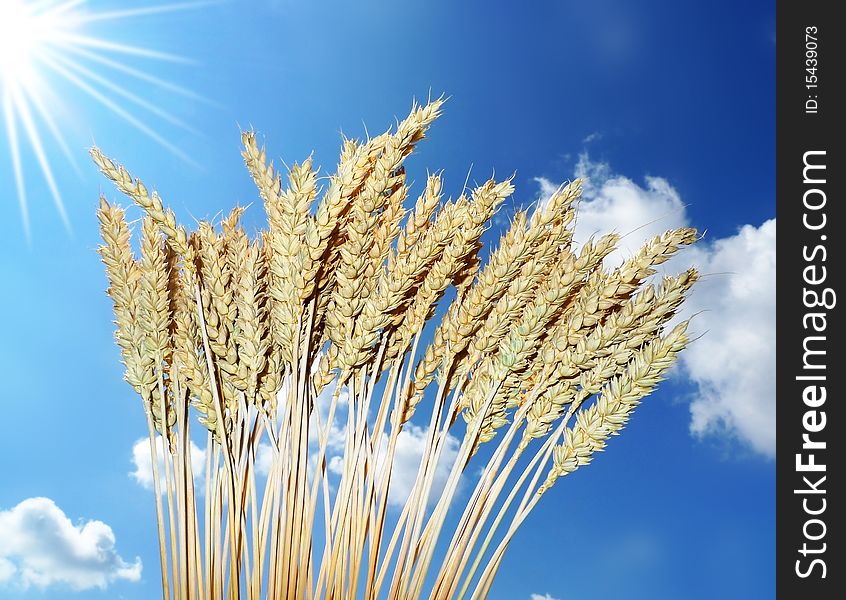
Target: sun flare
x=22 y=32
x=44 y=42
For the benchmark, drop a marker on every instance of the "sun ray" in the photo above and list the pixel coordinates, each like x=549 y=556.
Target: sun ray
x=15 y=152
x=46 y=40
x=140 y=51
x=140 y=75
x=52 y=6
x=120 y=91
x=64 y=7
x=118 y=110
x=145 y=11
x=22 y=108
x=47 y=117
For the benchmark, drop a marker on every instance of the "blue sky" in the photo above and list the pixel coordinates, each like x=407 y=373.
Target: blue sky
x=666 y=105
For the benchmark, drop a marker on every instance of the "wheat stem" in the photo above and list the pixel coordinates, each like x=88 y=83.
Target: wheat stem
x=262 y=337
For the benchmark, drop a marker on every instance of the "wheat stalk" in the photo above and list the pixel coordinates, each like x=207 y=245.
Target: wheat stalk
x=269 y=340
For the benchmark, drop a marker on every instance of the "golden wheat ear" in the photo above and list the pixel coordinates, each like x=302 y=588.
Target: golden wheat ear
x=353 y=328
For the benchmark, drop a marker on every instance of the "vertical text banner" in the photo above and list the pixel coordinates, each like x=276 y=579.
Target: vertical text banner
x=811 y=170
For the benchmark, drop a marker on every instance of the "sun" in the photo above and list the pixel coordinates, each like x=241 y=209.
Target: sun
x=43 y=42
x=23 y=30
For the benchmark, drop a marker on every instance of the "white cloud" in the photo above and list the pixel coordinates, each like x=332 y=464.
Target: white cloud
x=614 y=203
x=546 y=187
x=7 y=569
x=407 y=458
x=41 y=547
x=592 y=137
x=143 y=462
x=264 y=458
x=336 y=465
x=733 y=364
x=541 y=597
x=265 y=455
x=408 y=455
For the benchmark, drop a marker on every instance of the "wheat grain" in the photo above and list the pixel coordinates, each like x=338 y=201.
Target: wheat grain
x=337 y=293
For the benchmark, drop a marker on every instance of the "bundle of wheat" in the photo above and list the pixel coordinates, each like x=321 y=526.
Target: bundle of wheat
x=543 y=351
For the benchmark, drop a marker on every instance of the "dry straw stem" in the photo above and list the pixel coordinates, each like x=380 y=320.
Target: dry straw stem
x=317 y=333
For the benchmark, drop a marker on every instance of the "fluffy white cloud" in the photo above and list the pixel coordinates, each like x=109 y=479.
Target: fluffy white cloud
x=7 y=570
x=264 y=458
x=541 y=597
x=407 y=458
x=336 y=465
x=337 y=434
x=732 y=365
x=408 y=453
x=143 y=462
x=592 y=137
x=41 y=547
x=613 y=203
